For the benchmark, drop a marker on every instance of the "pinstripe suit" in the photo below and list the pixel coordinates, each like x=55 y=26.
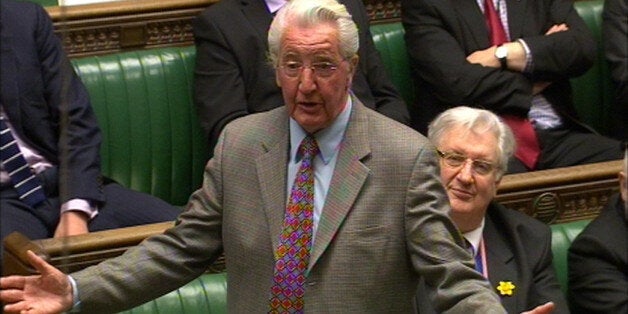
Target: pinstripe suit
x=384 y=223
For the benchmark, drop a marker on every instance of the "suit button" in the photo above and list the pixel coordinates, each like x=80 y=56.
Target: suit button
x=311 y=283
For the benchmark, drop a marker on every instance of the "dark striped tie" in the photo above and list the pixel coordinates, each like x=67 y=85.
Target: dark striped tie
x=24 y=181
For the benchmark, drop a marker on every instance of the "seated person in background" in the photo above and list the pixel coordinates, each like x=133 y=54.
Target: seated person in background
x=233 y=77
x=355 y=237
x=598 y=258
x=615 y=38
x=511 y=249
x=519 y=68
x=50 y=180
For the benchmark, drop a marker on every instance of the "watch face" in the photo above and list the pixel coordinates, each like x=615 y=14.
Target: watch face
x=501 y=52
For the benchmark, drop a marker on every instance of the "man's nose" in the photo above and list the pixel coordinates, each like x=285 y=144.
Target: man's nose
x=307 y=80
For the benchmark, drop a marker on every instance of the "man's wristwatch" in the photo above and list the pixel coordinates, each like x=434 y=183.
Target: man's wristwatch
x=501 y=53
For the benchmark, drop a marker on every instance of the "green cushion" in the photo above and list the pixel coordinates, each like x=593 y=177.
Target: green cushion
x=562 y=236
x=45 y=3
x=388 y=39
x=593 y=90
x=205 y=295
x=152 y=140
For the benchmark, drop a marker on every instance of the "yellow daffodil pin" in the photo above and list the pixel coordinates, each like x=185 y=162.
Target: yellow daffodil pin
x=506 y=288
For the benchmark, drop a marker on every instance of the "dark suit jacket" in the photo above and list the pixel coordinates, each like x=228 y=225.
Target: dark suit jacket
x=614 y=34
x=37 y=99
x=519 y=250
x=234 y=78
x=441 y=34
x=377 y=231
x=598 y=263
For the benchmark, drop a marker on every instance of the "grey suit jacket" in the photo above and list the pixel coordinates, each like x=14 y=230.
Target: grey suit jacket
x=384 y=222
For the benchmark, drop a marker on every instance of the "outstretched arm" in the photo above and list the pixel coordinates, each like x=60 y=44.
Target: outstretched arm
x=48 y=292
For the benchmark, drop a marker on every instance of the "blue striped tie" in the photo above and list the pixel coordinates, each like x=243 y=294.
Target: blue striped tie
x=24 y=181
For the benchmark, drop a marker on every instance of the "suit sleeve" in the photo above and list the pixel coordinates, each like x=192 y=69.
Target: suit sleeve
x=597 y=275
x=219 y=88
x=564 y=54
x=168 y=261
x=78 y=134
x=615 y=34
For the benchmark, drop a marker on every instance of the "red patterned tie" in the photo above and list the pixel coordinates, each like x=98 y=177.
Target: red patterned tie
x=293 y=253
x=528 y=149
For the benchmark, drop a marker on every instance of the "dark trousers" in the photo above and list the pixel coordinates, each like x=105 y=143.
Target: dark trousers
x=564 y=147
x=123 y=208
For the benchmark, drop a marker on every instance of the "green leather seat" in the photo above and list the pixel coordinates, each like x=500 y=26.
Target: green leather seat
x=388 y=39
x=593 y=91
x=205 y=295
x=152 y=140
x=562 y=236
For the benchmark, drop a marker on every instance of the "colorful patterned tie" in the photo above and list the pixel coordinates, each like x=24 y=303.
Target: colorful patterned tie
x=293 y=253
x=528 y=148
x=24 y=181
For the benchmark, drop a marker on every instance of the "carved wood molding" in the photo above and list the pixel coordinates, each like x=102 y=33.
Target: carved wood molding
x=117 y=26
x=382 y=11
x=563 y=194
x=110 y=27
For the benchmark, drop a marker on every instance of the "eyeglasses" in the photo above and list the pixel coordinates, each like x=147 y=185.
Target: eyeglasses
x=320 y=69
x=456 y=160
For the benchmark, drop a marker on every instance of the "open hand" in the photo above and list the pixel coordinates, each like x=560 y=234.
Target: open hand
x=49 y=292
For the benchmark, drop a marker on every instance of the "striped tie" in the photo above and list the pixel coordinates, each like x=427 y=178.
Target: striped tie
x=293 y=252
x=24 y=181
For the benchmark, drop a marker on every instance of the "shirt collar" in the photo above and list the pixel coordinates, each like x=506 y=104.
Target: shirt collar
x=475 y=236
x=275 y=5
x=328 y=139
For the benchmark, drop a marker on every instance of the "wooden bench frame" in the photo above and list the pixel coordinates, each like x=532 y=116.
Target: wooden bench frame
x=576 y=193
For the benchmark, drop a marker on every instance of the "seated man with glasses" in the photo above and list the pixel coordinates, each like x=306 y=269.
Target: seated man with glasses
x=511 y=249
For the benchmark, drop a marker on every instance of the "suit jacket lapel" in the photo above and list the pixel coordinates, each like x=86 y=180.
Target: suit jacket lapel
x=8 y=77
x=257 y=13
x=516 y=13
x=471 y=18
x=272 y=173
x=500 y=259
x=349 y=177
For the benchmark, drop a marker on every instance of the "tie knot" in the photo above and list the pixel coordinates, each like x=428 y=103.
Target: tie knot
x=308 y=148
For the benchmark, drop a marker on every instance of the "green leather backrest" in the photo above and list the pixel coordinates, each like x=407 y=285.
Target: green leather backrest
x=388 y=39
x=593 y=90
x=152 y=140
x=205 y=295
x=562 y=236
x=45 y=3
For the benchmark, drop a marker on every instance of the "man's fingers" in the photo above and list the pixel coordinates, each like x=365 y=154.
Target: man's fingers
x=12 y=295
x=19 y=307
x=12 y=282
x=39 y=263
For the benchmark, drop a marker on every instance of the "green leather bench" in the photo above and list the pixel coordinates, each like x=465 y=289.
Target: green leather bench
x=562 y=236
x=152 y=141
x=593 y=91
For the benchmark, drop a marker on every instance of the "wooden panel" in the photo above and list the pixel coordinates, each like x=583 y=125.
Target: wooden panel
x=101 y=28
x=563 y=194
